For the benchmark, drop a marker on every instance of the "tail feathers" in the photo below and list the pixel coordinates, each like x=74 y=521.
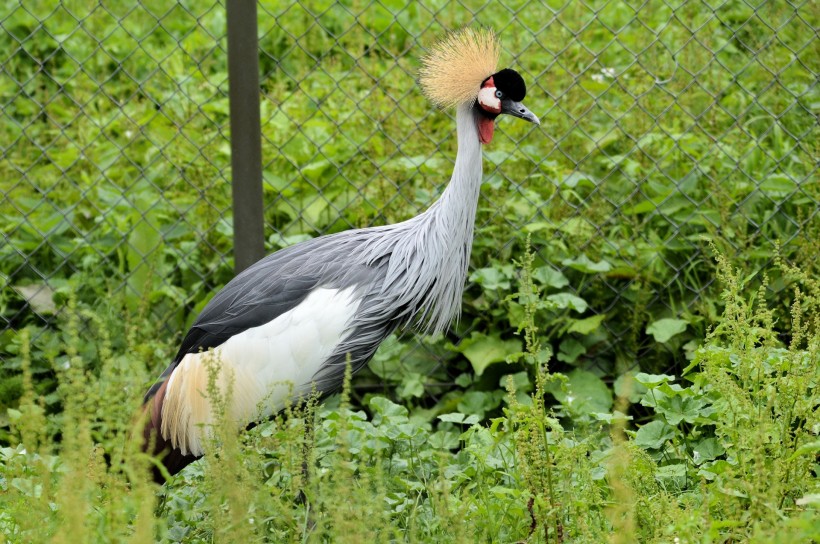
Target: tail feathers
x=153 y=441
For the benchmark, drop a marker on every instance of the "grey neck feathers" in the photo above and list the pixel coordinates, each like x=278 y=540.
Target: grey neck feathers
x=430 y=253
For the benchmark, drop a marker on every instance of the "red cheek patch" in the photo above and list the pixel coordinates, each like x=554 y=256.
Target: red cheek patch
x=485 y=130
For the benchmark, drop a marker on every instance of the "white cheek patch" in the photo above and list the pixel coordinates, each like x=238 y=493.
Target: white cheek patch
x=488 y=100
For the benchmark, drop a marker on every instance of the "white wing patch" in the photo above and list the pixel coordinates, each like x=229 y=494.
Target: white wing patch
x=262 y=368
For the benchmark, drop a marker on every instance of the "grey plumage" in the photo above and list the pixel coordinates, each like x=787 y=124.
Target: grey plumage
x=409 y=272
x=348 y=290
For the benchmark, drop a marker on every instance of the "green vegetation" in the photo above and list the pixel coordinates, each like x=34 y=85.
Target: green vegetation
x=729 y=453
x=639 y=353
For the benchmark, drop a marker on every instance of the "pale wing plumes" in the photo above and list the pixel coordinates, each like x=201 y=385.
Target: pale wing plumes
x=453 y=71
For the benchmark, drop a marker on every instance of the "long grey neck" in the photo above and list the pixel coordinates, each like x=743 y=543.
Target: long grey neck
x=448 y=229
x=429 y=254
x=460 y=198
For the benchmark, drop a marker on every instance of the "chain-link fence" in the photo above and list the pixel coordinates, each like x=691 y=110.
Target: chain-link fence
x=664 y=125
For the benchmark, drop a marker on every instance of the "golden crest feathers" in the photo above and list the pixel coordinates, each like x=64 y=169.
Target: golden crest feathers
x=455 y=67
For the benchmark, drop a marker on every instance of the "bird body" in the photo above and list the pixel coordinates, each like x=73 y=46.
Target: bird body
x=291 y=322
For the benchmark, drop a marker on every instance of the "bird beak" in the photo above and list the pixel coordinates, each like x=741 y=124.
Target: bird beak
x=517 y=109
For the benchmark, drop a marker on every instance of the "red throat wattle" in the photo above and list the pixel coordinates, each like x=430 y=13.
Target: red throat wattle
x=485 y=129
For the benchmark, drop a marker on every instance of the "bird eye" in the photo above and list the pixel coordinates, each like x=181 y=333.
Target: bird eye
x=498 y=94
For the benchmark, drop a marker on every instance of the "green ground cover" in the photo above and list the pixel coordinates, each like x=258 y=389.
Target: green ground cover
x=647 y=372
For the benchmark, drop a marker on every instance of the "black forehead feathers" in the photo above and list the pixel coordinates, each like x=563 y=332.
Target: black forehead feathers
x=510 y=82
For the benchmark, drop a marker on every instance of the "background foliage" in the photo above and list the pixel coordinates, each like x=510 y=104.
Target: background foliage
x=666 y=127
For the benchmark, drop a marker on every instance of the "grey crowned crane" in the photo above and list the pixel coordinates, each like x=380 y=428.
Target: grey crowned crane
x=291 y=321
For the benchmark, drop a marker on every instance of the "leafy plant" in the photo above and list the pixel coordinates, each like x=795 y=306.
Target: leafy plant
x=608 y=380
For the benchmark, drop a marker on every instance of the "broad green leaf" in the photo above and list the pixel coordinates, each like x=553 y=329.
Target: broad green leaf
x=576 y=178
x=313 y=211
x=584 y=264
x=587 y=325
x=498 y=156
x=570 y=350
x=674 y=390
x=549 y=276
x=680 y=408
x=642 y=207
x=711 y=469
x=315 y=170
x=585 y=392
x=478 y=403
x=654 y=435
x=672 y=476
x=443 y=440
x=482 y=350
x=568 y=300
x=537 y=226
x=707 y=450
x=412 y=385
x=810 y=447
x=664 y=329
x=577 y=226
x=609 y=418
x=458 y=417
x=491 y=278
x=650 y=380
x=453 y=417
x=384 y=409
x=778 y=185
x=464 y=380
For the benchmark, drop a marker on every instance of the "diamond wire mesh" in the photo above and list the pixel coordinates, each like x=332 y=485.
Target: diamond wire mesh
x=113 y=118
x=663 y=123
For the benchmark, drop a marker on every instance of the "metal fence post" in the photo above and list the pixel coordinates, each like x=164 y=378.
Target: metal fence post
x=246 y=146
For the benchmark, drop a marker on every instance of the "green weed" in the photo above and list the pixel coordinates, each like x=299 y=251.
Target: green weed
x=615 y=384
x=730 y=453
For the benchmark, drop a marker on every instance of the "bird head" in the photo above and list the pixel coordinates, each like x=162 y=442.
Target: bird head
x=461 y=69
